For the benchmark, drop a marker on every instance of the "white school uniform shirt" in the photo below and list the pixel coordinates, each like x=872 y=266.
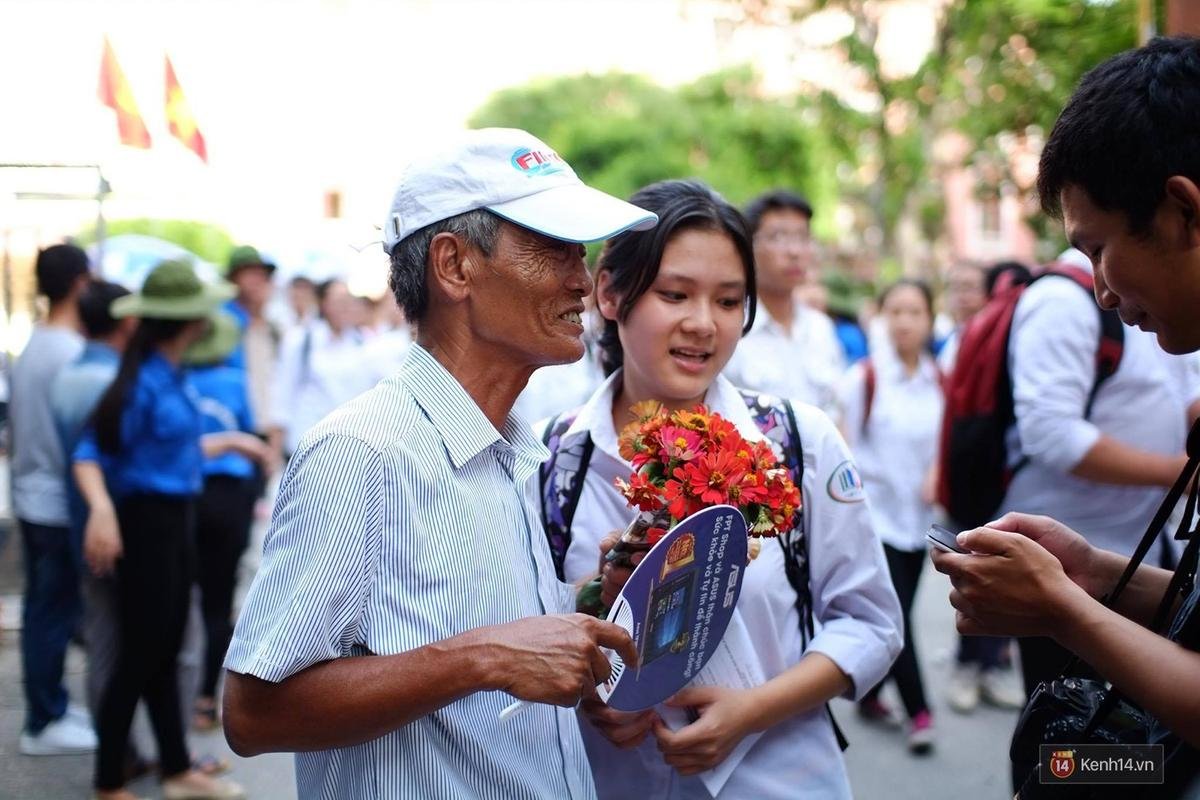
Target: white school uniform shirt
x=1052 y=359
x=857 y=613
x=804 y=365
x=309 y=386
x=898 y=445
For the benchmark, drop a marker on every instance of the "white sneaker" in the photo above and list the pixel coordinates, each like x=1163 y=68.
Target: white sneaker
x=79 y=715
x=963 y=693
x=62 y=737
x=996 y=690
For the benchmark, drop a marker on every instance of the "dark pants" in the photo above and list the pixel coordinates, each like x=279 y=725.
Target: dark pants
x=986 y=651
x=223 y=521
x=905 y=568
x=52 y=611
x=154 y=579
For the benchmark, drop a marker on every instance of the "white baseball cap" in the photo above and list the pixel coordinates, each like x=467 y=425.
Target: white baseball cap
x=514 y=175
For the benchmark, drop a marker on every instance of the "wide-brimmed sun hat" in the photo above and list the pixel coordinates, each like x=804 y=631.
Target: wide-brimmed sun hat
x=218 y=342
x=173 y=291
x=514 y=175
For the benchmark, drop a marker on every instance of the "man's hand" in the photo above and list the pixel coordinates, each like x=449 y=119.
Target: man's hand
x=624 y=729
x=708 y=741
x=1009 y=584
x=555 y=658
x=1076 y=555
x=612 y=577
x=102 y=541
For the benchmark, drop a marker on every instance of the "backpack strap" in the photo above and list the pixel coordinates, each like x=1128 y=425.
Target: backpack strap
x=869 y=379
x=560 y=481
x=777 y=421
x=1110 y=349
x=1112 y=331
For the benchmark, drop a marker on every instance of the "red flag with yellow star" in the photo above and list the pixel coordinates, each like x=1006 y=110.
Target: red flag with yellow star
x=179 y=116
x=115 y=93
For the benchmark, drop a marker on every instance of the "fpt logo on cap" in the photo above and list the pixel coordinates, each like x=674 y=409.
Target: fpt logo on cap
x=537 y=162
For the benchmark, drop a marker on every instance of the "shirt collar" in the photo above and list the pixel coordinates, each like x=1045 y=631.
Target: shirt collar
x=460 y=422
x=763 y=321
x=595 y=417
x=99 y=353
x=891 y=366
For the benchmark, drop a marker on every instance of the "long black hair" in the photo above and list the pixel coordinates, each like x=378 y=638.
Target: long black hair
x=149 y=335
x=632 y=258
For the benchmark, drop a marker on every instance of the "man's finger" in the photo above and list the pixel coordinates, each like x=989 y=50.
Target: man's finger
x=616 y=638
x=601 y=668
x=988 y=541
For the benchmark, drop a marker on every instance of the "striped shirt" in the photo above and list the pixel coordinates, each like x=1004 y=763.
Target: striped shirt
x=405 y=518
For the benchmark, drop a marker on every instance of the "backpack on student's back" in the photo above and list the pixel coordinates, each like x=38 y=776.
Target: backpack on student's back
x=975 y=467
x=562 y=478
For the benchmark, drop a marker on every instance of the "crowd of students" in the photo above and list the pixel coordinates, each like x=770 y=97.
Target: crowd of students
x=146 y=424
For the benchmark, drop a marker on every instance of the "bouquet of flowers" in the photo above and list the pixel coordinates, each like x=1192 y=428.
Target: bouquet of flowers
x=687 y=461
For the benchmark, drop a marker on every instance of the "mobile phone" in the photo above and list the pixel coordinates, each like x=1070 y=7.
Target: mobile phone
x=944 y=539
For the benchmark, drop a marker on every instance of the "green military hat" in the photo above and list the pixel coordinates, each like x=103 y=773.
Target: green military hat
x=173 y=291
x=246 y=256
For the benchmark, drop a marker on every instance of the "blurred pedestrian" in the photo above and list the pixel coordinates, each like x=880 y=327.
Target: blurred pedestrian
x=225 y=510
x=52 y=603
x=892 y=415
x=139 y=468
x=320 y=367
x=793 y=350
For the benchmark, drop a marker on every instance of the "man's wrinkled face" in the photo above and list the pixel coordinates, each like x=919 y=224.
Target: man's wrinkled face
x=530 y=295
x=1150 y=280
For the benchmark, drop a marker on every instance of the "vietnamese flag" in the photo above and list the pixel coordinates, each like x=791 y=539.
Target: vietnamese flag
x=179 y=116
x=115 y=93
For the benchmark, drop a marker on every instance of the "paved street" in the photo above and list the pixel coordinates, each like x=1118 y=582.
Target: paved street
x=970 y=759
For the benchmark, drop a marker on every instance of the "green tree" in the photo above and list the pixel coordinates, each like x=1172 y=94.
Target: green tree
x=621 y=132
x=998 y=73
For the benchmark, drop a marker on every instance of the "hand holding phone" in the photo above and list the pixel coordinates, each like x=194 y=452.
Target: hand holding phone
x=944 y=539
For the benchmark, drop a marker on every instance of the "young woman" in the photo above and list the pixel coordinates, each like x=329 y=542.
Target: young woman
x=321 y=365
x=139 y=468
x=225 y=510
x=892 y=416
x=675 y=301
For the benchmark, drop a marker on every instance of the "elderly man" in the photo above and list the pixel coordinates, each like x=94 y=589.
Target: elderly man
x=1121 y=168
x=406 y=593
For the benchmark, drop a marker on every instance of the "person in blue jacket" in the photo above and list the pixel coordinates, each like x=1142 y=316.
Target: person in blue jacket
x=225 y=512
x=139 y=467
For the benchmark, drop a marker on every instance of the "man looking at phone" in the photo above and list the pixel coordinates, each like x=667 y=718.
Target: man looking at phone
x=1122 y=169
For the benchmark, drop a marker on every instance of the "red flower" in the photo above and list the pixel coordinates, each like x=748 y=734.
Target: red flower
x=641 y=492
x=710 y=476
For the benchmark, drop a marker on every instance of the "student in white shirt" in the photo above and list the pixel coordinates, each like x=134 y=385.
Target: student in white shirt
x=321 y=366
x=792 y=350
x=892 y=428
x=675 y=302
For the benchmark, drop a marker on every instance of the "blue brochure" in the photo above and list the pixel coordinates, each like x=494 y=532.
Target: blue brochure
x=676 y=607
